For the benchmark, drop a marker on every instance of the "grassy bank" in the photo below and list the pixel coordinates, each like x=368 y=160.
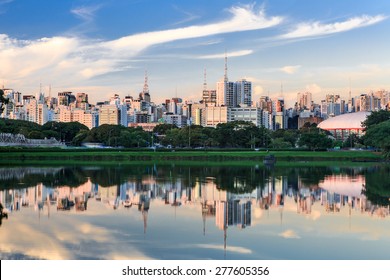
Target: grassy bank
x=80 y=156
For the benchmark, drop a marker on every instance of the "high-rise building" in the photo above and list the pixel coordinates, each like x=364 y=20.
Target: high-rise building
x=115 y=100
x=144 y=95
x=304 y=100
x=215 y=115
x=65 y=98
x=209 y=97
x=109 y=114
x=332 y=106
x=279 y=120
x=81 y=100
x=226 y=94
x=42 y=114
x=175 y=119
x=249 y=114
x=225 y=91
x=243 y=94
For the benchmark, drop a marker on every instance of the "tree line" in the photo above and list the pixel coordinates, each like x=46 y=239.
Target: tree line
x=238 y=134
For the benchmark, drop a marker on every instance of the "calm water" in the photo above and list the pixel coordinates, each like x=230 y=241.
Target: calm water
x=195 y=212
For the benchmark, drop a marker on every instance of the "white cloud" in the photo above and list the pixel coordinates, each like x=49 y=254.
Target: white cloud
x=258 y=90
x=313 y=88
x=86 y=13
x=244 y=18
x=229 y=54
x=71 y=60
x=189 y=16
x=21 y=59
x=319 y=29
x=290 y=69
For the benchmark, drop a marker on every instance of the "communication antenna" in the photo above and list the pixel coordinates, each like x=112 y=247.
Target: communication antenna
x=205 y=80
x=146 y=86
x=350 y=95
x=226 y=68
x=281 y=89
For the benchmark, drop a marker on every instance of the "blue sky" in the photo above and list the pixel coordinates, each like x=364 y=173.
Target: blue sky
x=104 y=47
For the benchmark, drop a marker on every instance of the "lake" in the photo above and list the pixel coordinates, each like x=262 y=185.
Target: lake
x=200 y=211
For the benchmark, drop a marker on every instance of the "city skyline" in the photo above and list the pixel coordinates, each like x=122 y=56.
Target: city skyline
x=284 y=47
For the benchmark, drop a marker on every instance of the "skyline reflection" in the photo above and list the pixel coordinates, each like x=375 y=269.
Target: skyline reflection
x=229 y=199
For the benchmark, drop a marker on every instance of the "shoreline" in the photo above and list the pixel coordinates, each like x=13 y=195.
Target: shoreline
x=123 y=156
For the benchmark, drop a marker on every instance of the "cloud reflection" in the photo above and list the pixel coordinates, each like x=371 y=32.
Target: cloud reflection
x=233 y=249
x=289 y=234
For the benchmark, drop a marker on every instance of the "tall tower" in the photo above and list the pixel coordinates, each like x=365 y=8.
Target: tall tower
x=225 y=90
x=145 y=92
x=209 y=96
x=225 y=77
x=204 y=80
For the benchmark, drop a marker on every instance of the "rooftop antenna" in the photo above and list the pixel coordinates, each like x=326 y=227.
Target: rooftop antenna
x=350 y=97
x=146 y=86
x=204 y=80
x=225 y=77
x=281 y=89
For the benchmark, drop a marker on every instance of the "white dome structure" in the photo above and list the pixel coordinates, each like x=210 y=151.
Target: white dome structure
x=343 y=125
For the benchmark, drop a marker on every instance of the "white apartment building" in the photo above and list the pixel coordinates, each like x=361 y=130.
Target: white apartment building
x=215 y=115
x=249 y=114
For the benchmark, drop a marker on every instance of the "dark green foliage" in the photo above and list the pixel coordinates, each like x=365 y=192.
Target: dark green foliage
x=3 y=101
x=377 y=127
x=377 y=187
x=315 y=139
x=378 y=136
x=353 y=141
x=116 y=136
x=376 y=118
x=64 y=131
x=162 y=129
x=18 y=127
x=283 y=138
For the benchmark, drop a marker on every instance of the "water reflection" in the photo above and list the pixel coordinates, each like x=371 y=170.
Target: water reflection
x=231 y=198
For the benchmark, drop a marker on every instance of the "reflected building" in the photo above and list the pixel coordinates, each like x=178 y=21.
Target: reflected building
x=233 y=213
x=333 y=194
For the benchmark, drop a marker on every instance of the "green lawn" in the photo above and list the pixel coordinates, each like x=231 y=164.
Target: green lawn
x=79 y=156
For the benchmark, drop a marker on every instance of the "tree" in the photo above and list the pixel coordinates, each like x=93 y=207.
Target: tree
x=66 y=131
x=352 y=141
x=279 y=143
x=35 y=135
x=162 y=129
x=376 y=118
x=237 y=134
x=287 y=135
x=3 y=101
x=378 y=136
x=315 y=140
